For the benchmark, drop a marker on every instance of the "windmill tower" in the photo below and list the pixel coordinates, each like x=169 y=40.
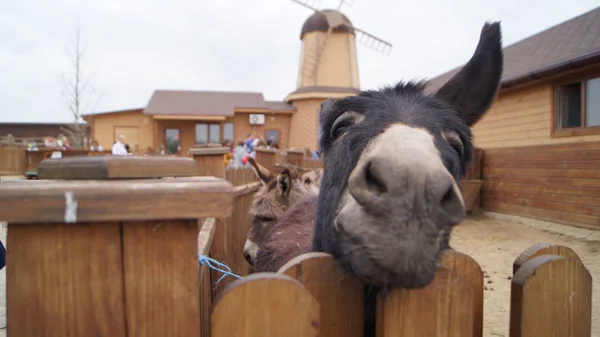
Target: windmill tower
x=328 y=67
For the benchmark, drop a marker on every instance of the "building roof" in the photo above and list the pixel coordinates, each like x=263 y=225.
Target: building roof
x=208 y=103
x=318 y=23
x=279 y=106
x=568 y=45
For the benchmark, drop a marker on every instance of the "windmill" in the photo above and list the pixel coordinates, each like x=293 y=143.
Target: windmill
x=336 y=21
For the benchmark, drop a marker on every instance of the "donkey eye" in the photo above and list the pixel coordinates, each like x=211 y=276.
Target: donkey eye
x=340 y=127
x=454 y=141
x=266 y=219
x=457 y=147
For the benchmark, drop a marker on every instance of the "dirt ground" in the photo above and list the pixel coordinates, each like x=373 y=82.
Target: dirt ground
x=496 y=243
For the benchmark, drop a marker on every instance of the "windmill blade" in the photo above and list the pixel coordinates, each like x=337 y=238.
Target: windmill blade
x=373 y=41
x=310 y=4
x=347 y=2
x=311 y=64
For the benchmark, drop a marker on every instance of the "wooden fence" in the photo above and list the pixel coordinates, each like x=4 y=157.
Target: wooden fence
x=313 y=296
x=137 y=273
x=12 y=160
x=559 y=183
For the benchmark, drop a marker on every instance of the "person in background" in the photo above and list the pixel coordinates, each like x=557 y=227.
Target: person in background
x=315 y=153
x=118 y=148
x=227 y=157
x=96 y=147
x=238 y=154
x=249 y=142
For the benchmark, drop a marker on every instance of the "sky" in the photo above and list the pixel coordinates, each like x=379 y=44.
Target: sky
x=133 y=47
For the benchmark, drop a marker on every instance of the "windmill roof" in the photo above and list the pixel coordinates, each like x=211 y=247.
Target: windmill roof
x=318 y=23
x=570 y=44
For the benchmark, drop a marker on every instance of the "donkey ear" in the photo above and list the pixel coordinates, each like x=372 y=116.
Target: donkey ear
x=473 y=89
x=284 y=183
x=262 y=173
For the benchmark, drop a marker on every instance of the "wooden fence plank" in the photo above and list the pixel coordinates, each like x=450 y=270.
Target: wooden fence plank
x=469 y=270
x=444 y=308
x=205 y=239
x=540 y=249
x=160 y=303
x=339 y=294
x=65 y=280
x=265 y=305
x=551 y=296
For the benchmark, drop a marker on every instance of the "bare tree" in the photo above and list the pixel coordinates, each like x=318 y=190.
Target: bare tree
x=78 y=94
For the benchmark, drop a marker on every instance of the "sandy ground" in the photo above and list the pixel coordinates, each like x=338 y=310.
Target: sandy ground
x=495 y=243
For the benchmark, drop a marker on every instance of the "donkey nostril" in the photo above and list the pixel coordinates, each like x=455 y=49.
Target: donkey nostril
x=372 y=179
x=248 y=258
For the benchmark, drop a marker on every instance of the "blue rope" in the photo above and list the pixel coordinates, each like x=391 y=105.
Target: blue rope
x=205 y=260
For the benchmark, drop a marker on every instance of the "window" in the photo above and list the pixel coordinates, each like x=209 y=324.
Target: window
x=228 y=132
x=215 y=133
x=272 y=135
x=578 y=106
x=208 y=133
x=201 y=134
x=172 y=141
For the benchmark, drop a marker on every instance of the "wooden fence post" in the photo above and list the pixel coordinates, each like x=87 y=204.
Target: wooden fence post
x=295 y=157
x=266 y=305
x=266 y=158
x=108 y=257
x=210 y=160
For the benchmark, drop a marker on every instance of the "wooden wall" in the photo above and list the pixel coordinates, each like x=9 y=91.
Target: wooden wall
x=559 y=183
x=521 y=118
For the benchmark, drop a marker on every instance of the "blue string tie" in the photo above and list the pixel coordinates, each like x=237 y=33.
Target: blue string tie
x=221 y=267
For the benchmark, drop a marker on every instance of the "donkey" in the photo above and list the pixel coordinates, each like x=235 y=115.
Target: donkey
x=393 y=157
x=275 y=196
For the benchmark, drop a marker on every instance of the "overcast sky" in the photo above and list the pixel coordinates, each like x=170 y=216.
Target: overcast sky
x=134 y=47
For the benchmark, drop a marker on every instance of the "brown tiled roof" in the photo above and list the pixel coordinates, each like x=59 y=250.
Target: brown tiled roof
x=199 y=103
x=318 y=23
x=279 y=106
x=570 y=44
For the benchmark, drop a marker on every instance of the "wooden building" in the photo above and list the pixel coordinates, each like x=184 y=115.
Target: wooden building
x=542 y=135
x=180 y=120
x=190 y=118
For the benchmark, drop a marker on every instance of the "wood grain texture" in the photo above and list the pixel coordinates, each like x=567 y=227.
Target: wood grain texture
x=444 y=308
x=469 y=270
x=559 y=183
x=162 y=283
x=209 y=161
x=205 y=238
x=340 y=295
x=266 y=157
x=265 y=305
x=116 y=167
x=230 y=236
x=63 y=283
x=470 y=193
x=551 y=296
x=177 y=198
x=540 y=249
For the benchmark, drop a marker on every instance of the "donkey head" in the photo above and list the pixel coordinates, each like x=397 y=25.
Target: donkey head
x=275 y=196
x=393 y=158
